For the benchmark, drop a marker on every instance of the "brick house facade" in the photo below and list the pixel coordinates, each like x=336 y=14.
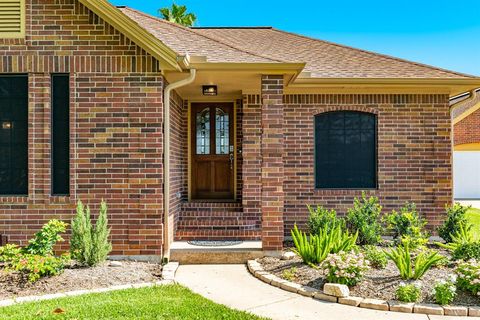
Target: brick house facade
x=117 y=129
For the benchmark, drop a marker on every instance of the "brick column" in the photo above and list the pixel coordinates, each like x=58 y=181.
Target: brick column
x=272 y=151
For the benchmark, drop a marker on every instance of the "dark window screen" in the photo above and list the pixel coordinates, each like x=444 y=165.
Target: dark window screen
x=60 y=134
x=345 y=150
x=14 y=135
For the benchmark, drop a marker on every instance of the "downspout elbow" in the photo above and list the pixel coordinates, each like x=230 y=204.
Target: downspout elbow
x=167 y=236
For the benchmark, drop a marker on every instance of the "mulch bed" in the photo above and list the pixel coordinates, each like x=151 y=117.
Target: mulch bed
x=377 y=283
x=14 y=284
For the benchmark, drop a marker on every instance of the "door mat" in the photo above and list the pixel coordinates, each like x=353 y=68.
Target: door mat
x=212 y=243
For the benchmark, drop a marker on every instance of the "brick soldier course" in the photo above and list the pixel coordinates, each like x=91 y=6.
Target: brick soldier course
x=117 y=104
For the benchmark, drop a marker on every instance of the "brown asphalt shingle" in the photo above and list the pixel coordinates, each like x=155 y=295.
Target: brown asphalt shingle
x=252 y=45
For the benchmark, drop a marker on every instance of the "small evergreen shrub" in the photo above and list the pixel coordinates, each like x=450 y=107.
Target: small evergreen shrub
x=345 y=267
x=407 y=226
x=456 y=218
x=408 y=292
x=89 y=244
x=364 y=219
x=321 y=218
x=468 y=276
x=445 y=291
x=376 y=257
x=36 y=266
x=467 y=251
x=9 y=252
x=44 y=240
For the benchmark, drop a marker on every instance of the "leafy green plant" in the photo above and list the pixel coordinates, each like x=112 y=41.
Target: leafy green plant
x=412 y=269
x=467 y=251
x=456 y=219
x=364 y=219
x=468 y=276
x=345 y=267
x=36 y=266
x=313 y=249
x=376 y=257
x=407 y=226
x=9 y=252
x=178 y=14
x=89 y=244
x=445 y=291
x=321 y=218
x=289 y=274
x=462 y=236
x=44 y=240
x=408 y=292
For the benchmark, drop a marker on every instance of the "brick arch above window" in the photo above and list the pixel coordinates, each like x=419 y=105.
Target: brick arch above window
x=325 y=109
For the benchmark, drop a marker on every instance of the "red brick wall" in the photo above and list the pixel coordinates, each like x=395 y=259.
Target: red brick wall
x=116 y=123
x=414 y=153
x=468 y=129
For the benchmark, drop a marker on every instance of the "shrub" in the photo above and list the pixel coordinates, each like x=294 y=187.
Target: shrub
x=9 y=252
x=416 y=269
x=462 y=236
x=408 y=292
x=456 y=218
x=445 y=291
x=345 y=267
x=44 y=240
x=37 y=266
x=376 y=257
x=321 y=218
x=467 y=251
x=89 y=244
x=363 y=218
x=407 y=226
x=468 y=276
x=313 y=249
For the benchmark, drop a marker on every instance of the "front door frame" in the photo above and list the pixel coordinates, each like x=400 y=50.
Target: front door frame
x=190 y=149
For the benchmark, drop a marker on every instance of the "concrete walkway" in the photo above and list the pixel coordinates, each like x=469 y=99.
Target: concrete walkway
x=232 y=285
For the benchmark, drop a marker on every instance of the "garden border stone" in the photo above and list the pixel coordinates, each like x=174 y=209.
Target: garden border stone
x=257 y=271
x=167 y=279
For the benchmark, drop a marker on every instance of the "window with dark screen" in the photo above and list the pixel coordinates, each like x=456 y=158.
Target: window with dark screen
x=345 y=150
x=60 y=134
x=13 y=134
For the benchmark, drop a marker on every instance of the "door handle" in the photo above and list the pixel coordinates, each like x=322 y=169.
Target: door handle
x=231 y=160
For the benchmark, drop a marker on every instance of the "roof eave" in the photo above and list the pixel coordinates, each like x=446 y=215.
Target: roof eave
x=166 y=56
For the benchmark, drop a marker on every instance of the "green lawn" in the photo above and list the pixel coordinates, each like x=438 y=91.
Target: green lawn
x=473 y=215
x=164 y=302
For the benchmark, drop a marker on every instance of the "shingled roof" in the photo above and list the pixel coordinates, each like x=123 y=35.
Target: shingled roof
x=268 y=45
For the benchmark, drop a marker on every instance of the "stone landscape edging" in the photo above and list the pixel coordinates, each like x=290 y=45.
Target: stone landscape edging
x=168 y=278
x=257 y=271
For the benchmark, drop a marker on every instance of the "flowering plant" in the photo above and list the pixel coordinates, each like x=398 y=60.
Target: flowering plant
x=409 y=292
x=469 y=276
x=345 y=267
x=445 y=290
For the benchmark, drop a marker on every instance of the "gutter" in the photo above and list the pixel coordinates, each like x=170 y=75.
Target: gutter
x=166 y=157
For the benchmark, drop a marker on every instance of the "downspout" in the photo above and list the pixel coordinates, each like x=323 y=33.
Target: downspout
x=166 y=157
x=473 y=95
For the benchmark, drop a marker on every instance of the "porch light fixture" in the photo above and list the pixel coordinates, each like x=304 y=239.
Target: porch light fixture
x=6 y=125
x=210 y=90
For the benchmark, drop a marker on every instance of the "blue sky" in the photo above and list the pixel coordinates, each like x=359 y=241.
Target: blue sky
x=444 y=33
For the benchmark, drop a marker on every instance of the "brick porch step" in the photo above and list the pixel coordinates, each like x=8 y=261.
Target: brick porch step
x=216 y=221
x=186 y=253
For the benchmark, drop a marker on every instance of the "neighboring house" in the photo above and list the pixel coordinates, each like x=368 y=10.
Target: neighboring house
x=466 y=155
x=238 y=128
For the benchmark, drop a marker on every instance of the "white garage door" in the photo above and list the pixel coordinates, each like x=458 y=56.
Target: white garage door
x=466 y=174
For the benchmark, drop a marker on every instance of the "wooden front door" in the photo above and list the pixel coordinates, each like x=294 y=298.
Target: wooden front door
x=212 y=151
